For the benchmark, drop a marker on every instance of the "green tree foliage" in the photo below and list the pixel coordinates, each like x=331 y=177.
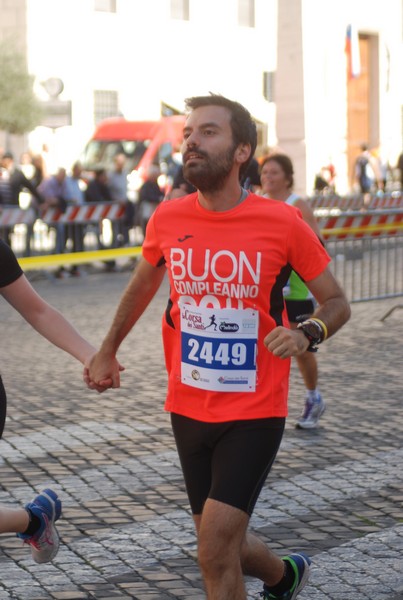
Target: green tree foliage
x=20 y=111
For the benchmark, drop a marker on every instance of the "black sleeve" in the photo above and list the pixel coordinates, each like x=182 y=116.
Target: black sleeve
x=180 y=181
x=143 y=192
x=10 y=269
x=26 y=183
x=252 y=176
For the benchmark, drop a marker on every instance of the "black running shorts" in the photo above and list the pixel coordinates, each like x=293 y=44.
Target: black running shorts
x=228 y=462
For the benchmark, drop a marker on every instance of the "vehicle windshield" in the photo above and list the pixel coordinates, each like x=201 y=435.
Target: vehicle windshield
x=100 y=154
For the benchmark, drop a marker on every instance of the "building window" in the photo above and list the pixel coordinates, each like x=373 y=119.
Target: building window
x=246 y=13
x=105 y=105
x=180 y=9
x=268 y=86
x=105 y=5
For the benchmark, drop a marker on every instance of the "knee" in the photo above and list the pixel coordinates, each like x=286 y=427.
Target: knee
x=215 y=555
x=210 y=561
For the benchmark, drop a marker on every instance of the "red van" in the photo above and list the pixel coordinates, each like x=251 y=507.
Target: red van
x=142 y=142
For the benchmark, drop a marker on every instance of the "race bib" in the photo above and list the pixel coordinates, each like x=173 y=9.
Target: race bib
x=219 y=347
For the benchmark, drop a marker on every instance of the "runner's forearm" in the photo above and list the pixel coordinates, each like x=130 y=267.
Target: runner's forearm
x=137 y=296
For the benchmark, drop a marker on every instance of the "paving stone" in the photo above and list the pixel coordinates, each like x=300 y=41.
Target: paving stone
x=335 y=492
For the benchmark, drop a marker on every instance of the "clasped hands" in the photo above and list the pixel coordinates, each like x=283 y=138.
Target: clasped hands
x=102 y=371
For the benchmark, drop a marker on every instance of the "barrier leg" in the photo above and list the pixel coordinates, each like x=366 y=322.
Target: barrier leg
x=387 y=314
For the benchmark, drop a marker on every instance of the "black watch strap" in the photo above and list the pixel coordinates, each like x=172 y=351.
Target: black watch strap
x=314 y=332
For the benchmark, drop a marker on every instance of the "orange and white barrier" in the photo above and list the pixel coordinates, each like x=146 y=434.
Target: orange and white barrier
x=358 y=225
x=355 y=202
x=13 y=215
x=84 y=213
x=80 y=214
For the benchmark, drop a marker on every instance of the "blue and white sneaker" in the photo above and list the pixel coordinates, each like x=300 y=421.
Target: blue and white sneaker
x=313 y=410
x=44 y=542
x=301 y=567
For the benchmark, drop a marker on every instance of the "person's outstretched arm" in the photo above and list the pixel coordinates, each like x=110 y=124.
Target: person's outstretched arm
x=46 y=319
x=141 y=289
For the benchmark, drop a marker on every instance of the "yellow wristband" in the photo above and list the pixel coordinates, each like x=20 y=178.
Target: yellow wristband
x=321 y=323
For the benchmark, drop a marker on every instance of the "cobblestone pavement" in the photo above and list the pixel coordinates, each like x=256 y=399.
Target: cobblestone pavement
x=335 y=492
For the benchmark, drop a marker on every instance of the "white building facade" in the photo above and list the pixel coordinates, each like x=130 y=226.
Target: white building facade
x=285 y=60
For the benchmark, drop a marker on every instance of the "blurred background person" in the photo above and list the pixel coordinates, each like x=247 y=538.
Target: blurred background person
x=325 y=180
x=277 y=181
x=98 y=188
x=12 y=183
x=150 y=195
x=38 y=170
x=53 y=190
x=365 y=173
x=180 y=186
x=75 y=187
x=97 y=191
x=117 y=182
x=251 y=179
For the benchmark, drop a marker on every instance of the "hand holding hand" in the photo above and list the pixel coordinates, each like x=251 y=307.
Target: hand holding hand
x=102 y=372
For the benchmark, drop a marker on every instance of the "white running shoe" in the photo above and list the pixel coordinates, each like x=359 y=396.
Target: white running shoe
x=313 y=410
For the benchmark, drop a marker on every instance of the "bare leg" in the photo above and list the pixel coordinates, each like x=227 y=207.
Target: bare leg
x=226 y=552
x=308 y=367
x=13 y=520
x=260 y=562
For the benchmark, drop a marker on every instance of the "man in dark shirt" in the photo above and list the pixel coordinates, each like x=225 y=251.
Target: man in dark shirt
x=13 y=181
x=150 y=195
x=98 y=189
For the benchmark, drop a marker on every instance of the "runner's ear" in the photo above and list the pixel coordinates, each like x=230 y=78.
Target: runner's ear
x=242 y=153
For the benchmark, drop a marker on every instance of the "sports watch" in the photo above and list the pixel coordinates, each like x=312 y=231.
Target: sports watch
x=314 y=332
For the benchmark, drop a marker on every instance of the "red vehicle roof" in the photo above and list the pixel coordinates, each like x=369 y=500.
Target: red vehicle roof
x=121 y=129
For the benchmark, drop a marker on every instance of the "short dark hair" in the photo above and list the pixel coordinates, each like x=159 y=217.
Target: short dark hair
x=285 y=163
x=242 y=125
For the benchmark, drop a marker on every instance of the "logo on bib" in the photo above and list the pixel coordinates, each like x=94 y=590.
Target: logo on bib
x=229 y=327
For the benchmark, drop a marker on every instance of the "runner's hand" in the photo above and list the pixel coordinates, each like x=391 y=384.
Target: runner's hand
x=284 y=342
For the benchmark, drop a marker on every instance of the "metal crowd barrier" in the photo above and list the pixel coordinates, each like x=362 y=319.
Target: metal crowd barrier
x=323 y=202
x=367 y=252
x=79 y=235
x=366 y=245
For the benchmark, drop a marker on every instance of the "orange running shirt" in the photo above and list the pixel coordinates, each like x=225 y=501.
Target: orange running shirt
x=218 y=367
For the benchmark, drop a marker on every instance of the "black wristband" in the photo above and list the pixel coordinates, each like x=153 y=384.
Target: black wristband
x=314 y=332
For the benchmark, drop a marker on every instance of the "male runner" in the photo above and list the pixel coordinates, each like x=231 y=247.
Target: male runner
x=228 y=253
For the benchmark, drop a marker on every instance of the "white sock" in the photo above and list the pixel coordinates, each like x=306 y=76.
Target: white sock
x=313 y=395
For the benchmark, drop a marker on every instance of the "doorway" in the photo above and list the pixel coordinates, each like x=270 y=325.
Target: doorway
x=363 y=103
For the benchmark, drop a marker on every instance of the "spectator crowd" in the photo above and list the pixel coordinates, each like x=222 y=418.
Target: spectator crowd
x=29 y=184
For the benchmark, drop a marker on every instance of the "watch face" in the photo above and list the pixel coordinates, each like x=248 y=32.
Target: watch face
x=312 y=330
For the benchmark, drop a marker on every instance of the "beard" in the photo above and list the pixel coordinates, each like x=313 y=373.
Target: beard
x=210 y=174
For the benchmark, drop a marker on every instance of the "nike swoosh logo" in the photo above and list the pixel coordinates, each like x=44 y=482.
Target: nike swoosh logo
x=184 y=238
